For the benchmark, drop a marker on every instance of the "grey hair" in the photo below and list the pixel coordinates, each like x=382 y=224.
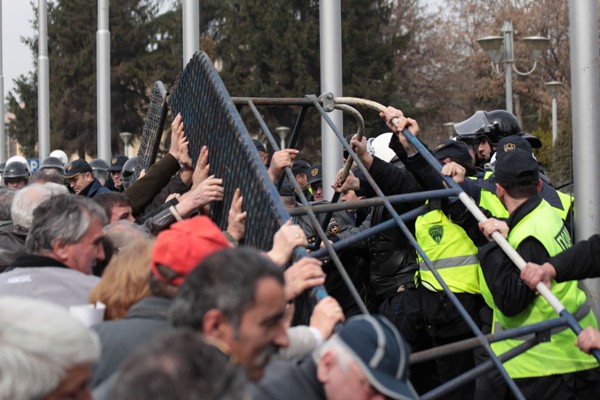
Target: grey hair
x=27 y=199
x=6 y=199
x=64 y=218
x=39 y=342
x=344 y=355
x=123 y=232
x=225 y=281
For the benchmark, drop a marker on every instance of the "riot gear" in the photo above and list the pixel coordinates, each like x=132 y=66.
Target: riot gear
x=494 y=125
x=53 y=163
x=128 y=172
x=100 y=169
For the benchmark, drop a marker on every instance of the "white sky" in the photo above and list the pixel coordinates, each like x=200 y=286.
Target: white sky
x=16 y=57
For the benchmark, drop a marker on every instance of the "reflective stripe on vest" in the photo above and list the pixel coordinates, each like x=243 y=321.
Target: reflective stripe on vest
x=450 y=262
x=450 y=250
x=560 y=355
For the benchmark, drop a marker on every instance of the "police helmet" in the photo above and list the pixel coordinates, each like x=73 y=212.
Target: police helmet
x=98 y=164
x=128 y=172
x=15 y=169
x=100 y=169
x=380 y=147
x=20 y=159
x=61 y=155
x=53 y=162
x=493 y=125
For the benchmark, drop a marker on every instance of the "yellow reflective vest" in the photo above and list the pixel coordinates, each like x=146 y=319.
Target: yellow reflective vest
x=451 y=252
x=559 y=355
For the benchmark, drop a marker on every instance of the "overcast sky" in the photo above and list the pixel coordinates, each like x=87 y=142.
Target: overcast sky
x=16 y=57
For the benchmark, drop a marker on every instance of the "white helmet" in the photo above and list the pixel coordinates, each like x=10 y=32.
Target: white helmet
x=380 y=147
x=61 y=155
x=20 y=159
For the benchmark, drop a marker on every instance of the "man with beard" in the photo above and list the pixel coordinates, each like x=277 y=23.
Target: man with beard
x=236 y=299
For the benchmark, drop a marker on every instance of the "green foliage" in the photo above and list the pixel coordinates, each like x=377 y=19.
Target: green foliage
x=143 y=50
x=24 y=126
x=271 y=49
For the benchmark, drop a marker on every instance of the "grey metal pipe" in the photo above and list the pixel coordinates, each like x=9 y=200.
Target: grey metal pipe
x=507 y=29
x=554 y=120
x=191 y=29
x=43 y=82
x=330 y=28
x=103 y=129
x=585 y=107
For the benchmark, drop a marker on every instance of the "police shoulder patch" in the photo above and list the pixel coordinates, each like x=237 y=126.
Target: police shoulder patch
x=437 y=233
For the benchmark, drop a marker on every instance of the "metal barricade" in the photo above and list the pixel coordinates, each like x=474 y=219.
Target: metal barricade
x=153 y=129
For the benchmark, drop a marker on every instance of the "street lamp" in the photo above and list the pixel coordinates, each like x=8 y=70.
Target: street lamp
x=126 y=137
x=282 y=131
x=554 y=86
x=493 y=46
x=449 y=129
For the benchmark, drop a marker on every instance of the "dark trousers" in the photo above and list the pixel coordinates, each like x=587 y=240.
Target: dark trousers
x=454 y=365
x=582 y=385
x=404 y=311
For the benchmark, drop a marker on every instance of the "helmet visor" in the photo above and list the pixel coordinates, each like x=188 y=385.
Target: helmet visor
x=476 y=124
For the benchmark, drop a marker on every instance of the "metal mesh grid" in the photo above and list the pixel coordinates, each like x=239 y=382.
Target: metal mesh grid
x=211 y=119
x=153 y=129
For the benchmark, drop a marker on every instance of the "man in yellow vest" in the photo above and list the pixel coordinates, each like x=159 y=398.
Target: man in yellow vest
x=554 y=369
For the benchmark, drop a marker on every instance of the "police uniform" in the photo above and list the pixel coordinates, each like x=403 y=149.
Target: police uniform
x=553 y=369
x=454 y=256
x=354 y=259
x=393 y=265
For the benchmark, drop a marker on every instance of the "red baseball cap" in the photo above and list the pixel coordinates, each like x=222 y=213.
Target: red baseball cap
x=184 y=245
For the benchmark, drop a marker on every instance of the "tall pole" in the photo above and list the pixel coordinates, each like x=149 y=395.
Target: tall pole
x=554 y=119
x=585 y=108
x=191 y=29
x=330 y=27
x=103 y=82
x=507 y=29
x=2 y=132
x=43 y=83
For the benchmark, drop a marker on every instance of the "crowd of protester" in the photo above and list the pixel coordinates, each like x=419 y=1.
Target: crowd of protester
x=187 y=311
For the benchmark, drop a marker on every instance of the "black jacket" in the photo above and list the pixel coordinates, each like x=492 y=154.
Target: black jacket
x=511 y=294
x=579 y=262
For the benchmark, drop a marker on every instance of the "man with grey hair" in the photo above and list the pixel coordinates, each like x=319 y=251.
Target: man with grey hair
x=13 y=235
x=63 y=243
x=366 y=359
x=45 y=353
x=6 y=198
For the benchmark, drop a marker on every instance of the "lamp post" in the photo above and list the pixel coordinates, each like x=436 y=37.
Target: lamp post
x=493 y=46
x=126 y=137
x=282 y=131
x=554 y=86
x=449 y=129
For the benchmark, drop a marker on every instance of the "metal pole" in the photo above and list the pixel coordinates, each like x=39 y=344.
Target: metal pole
x=554 y=119
x=507 y=29
x=43 y=82
x=585 y=107
x=330 y=27
x=103 y=82
x=2 y=132
x=191 y=29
